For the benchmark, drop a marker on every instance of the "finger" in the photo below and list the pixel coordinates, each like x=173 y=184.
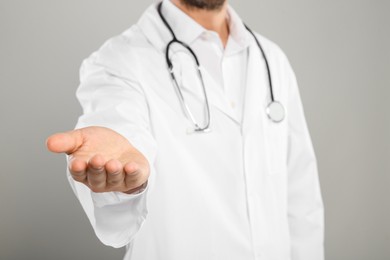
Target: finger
x=67 y=142
x=96 y=173
x=115 y=175
x=133 y=177
x=77 y=169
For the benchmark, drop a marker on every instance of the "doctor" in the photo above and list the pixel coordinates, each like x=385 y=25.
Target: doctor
x=176 y=163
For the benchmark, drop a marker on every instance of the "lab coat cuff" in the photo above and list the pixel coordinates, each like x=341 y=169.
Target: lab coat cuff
x=115 y=197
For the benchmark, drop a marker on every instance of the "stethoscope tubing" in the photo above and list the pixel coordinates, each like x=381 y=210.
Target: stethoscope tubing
x=266 y=63
x=275 y=110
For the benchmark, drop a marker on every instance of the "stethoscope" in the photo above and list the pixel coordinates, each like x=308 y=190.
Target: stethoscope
x=274 y=110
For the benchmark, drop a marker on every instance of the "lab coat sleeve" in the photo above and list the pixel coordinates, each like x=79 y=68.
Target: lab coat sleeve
x=305 y=206
x=111 y=97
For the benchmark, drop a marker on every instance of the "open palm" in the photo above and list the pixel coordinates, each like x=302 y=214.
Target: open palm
x=102 y=159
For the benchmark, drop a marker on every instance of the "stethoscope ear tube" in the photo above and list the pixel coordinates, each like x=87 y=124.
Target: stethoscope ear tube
x=266 y=63
x=187 y=110
x=274 y=110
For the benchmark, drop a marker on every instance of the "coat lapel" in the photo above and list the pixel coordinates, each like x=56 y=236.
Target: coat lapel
x=257 y=89
x=217 y=97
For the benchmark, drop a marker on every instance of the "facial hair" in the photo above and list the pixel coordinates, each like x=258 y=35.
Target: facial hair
x=204 y=4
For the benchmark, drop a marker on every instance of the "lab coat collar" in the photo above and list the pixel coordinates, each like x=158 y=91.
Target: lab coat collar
x=239 y=37
x=153 y=28
x=187 y=30
x=184 y=27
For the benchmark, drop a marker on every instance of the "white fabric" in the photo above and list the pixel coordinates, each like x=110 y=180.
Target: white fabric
x=247 y=190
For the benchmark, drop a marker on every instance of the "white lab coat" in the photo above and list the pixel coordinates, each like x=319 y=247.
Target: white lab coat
x=245 y=190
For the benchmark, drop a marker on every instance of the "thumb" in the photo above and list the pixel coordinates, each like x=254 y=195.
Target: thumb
x=67 y=142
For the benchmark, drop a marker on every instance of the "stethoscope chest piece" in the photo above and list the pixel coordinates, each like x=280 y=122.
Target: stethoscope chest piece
x=275 y=111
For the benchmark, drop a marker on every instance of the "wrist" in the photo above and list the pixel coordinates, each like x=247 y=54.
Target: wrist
x=137 y=190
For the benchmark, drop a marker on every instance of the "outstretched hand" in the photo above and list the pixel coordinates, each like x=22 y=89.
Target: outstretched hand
x=102 y=159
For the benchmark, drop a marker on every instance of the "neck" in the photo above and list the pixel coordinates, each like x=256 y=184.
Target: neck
x=213 y=20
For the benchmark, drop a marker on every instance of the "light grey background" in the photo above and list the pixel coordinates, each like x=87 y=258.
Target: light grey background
x=340 y=52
